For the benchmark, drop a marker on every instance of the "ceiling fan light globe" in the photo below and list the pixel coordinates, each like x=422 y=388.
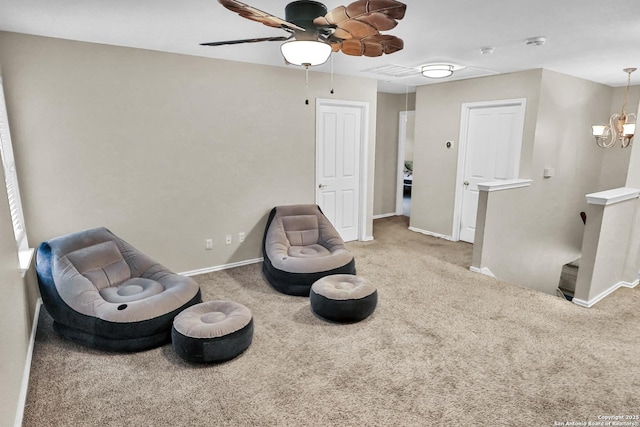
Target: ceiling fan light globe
x=437 y=71
x=305 y=52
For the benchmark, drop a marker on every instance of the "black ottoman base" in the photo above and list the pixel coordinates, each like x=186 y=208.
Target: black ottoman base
x=343 y=298
x=212 y=332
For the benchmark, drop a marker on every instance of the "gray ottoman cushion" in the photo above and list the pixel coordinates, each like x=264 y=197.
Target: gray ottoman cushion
x=343 y=298
x=212 y=331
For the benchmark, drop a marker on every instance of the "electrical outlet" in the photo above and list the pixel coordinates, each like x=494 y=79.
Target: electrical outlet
x=228 y=239
x=208 y=244
x=241 y=236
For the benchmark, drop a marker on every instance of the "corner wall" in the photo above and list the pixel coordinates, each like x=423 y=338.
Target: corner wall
x=386 y=170
x=632 y=264
x=438 y=113
x=532 y=232
x=529 y=232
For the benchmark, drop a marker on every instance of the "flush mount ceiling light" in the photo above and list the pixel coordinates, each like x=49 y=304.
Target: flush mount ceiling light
x=437 y=71
x=621 y=126
x=305 y=52
x=440 y=71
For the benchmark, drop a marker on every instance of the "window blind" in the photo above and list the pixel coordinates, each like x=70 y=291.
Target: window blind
x=10 y=176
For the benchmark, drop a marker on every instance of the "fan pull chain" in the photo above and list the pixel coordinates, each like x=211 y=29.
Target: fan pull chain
x=331 y=74
x=306 y=71
x=406 y=102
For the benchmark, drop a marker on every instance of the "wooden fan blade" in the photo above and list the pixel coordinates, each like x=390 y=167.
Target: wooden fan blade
x=389 y=43
x=380 y=21
x=255 y=40
x=321 y=21
x=359 y=24
x=352 y=47
x=393 y=8
x=335 y=46
x=362 y=9
x=358 y=29
x=335 y=16
x=257 y=15
x=341 y=34
x=372 y=46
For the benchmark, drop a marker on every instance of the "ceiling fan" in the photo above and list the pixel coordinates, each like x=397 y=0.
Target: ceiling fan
x=314 y=33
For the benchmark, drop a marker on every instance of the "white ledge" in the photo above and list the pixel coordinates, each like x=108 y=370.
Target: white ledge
x=611 y=197
x=25 y=258
x=504 y=185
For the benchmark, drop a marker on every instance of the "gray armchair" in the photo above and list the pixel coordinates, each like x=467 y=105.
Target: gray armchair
x=300 y=246
x=103 y=293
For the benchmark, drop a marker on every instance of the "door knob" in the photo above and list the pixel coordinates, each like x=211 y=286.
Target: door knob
x=321 y=185
x=466 y=183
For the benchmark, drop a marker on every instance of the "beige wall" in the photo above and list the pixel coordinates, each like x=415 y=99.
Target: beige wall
x=386 y=173
x=606 y=245
x=410 y=136
x=633 y=172
x=15 y=317
x=631 y=273
x=165 y=150
x=632 y=265
x=530 y=233
x=438 y=112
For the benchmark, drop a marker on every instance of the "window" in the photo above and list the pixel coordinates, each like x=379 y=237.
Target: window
x=10 y=177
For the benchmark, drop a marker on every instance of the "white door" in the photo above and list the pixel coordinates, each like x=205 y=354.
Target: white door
x=338 y=145
x=493 y=140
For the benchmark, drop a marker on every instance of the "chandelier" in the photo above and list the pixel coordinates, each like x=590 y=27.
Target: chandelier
x=621 y=126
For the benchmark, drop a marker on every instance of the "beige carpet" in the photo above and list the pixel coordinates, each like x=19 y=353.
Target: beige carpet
x=445 y=347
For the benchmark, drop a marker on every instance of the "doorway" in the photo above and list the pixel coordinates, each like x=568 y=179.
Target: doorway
x=490 y=145
x=341 y=153
x=404 y=187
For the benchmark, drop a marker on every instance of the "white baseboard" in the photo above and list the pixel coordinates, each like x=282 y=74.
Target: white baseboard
x=604 y=294
x=387 y=215
x=430 y=233
x=367 y=239
x=483 y=270
x=221 y=267
x=24 y=388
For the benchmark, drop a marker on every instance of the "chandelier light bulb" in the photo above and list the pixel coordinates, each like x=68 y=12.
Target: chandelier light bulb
x=598 y=130
x=621 y=127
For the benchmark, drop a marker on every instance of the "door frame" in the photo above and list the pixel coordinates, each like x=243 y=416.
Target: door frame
x=363 y=179
x=462 y=150
x=402 y=138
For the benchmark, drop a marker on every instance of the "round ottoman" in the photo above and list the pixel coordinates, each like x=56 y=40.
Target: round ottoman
x=343 y=298
x=212 y=331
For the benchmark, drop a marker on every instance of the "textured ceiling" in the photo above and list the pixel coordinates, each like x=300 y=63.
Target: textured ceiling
x=590 y=39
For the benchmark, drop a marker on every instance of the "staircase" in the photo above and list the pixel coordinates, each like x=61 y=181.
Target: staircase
x=569 y=274
x=568 y=278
